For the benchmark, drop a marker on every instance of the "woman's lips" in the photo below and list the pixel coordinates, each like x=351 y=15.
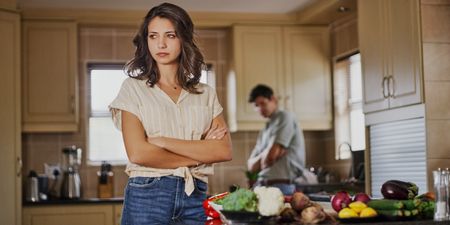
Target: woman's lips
x=162 y=54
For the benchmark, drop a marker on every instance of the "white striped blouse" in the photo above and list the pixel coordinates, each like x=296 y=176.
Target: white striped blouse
x=186 y=119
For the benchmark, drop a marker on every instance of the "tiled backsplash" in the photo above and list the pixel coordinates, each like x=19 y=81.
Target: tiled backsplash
x=114 y=45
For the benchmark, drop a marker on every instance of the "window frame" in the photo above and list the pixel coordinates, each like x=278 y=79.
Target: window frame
x=98 y=66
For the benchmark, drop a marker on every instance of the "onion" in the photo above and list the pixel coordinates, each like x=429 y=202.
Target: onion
x=340 y=200
x=299 y=201
x=362 y=197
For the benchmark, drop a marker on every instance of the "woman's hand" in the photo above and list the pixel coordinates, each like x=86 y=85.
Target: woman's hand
x=215 y=133
x=158 y=141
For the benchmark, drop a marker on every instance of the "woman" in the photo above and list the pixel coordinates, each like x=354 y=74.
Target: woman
x=172 y=125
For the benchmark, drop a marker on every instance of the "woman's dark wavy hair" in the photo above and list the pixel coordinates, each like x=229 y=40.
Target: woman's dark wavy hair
x=143 y=66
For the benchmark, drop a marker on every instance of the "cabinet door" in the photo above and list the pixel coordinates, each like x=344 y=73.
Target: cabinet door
x=257 y=60
x=405 y=53
x=69 y=215
x=49 y=76
x=10 y=149
x=372 y=44
x=308 y=78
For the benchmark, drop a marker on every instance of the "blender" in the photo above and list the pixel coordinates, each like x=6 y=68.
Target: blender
x=71 y=183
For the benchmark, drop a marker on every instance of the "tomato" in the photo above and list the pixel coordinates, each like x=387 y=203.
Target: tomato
x=214 y=222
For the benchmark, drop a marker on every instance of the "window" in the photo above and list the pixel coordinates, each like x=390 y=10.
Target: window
x=105 y=142
x=348 y=114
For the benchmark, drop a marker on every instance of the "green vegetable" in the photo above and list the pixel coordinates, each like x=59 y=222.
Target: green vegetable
x=385 y=204
x=411 y=204
x=390 y=213
x=426 y=209
x=240 y=200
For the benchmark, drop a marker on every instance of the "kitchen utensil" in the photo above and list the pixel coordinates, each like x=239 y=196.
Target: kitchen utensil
x=71 y=183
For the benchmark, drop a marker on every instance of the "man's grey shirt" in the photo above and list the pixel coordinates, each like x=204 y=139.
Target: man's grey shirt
x=282 y=128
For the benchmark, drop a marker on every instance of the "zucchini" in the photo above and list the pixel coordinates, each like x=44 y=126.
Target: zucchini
x=385 y=204
x=390 y=213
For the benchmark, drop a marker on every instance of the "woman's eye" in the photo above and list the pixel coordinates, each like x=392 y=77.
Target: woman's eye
x=171 y=35
x=152 y=36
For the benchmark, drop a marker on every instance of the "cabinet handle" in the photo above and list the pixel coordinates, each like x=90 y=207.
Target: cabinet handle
x=383 y=86
x=19 y=166
x=391 y=94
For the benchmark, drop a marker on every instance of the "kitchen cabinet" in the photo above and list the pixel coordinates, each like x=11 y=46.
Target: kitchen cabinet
x=10 y=138
x=50 y=96
x=391 y=57
x=294 y=61
x=89 y=214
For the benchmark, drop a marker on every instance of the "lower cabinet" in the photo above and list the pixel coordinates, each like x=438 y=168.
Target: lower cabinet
x=92 y=214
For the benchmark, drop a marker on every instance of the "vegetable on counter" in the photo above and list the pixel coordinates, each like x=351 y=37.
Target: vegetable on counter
x=270 y=200
x=240 y=200
x=340 y=200
x=209 y=211
x=400 y=190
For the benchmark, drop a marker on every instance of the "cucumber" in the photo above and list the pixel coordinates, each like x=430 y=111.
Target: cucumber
x=411 y=204
x=390 y=213
x=385 y=204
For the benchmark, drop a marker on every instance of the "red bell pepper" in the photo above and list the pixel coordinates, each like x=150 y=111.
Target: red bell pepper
x=209 y=211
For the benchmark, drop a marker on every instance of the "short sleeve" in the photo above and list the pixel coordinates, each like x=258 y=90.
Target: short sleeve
x=125 y=100
x=285 y=129
x=216 y=107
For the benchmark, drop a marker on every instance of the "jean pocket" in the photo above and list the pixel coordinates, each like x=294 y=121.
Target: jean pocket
x=143 y=182
x=201 y=186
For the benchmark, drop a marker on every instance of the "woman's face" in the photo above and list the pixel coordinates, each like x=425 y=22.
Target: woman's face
x=163 y=42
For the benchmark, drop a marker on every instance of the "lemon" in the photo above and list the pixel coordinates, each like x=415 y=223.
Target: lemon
x=357 y=206
x=346 y=213
x=368 y=212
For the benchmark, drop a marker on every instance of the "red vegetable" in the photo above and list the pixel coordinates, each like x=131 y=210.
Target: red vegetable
x=214 y=222
x=340 y=200
x=209 y=211
x=362 y=197
x=212 y=213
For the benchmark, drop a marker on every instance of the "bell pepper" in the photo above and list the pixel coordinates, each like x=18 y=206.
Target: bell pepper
x=209 y=211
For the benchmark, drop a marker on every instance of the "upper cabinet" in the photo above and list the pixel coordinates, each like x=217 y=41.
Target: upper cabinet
x=294 y=61
x=50 y=76
x=390 y=45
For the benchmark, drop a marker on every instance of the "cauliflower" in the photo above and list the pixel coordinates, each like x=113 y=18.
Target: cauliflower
x=270 y=200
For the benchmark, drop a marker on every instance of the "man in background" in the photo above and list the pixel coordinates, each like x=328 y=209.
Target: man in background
x=279 y=154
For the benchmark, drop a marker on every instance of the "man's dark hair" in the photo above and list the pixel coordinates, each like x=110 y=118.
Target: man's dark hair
x=260 y=90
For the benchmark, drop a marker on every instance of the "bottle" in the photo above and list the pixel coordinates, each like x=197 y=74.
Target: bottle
x=105 y=181
x=32 y=187
x=441 y=180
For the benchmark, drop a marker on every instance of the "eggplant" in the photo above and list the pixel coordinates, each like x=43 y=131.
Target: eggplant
x=396 y=189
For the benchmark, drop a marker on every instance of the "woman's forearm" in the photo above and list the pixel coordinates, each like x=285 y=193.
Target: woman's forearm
x=153 y=156
x=206 y=151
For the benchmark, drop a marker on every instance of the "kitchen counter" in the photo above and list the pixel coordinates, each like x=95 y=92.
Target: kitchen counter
x=118 y=200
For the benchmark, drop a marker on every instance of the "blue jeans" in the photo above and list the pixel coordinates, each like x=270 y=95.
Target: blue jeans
x=162 y=201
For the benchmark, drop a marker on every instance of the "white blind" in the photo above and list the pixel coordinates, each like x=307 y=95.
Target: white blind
x=398 y=151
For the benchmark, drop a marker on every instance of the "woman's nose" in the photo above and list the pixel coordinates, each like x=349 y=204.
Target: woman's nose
x=162 y=43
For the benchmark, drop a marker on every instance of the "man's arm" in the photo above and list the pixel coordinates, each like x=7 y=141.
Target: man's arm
x=273 y=154
x=266 y=158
